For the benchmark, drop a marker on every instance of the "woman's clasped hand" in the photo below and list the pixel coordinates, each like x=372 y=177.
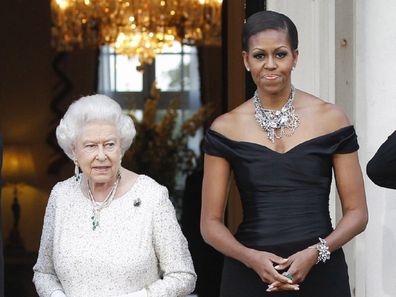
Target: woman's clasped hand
x=283 y=274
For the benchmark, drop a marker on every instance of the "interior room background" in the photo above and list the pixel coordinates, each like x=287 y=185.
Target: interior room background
x=38 y=84
x=346 y=57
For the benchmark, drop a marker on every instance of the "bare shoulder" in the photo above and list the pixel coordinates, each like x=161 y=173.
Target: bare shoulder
x=233 y=122
x=221 y=123
x=335 y=116
x=329 y=116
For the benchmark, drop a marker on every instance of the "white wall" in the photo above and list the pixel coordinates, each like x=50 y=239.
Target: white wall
x=315 y=24
x=376 y=119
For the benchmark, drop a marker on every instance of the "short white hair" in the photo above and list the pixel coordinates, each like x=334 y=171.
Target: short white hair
x=93 y=108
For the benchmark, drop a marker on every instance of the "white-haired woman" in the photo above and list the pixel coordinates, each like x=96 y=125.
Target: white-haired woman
x=108 y=231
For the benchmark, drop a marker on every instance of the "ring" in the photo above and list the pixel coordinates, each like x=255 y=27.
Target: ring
x=288 y=275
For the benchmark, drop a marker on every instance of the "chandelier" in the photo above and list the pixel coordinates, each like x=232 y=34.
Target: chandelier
x=139 y=28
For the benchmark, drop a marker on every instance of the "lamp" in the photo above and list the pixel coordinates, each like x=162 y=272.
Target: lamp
x=135 y=28
x=18 y=168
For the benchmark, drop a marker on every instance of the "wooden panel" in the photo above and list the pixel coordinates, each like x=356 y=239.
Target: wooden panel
x=235 y=90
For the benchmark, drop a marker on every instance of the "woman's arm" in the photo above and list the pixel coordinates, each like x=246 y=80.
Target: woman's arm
x=215 y=233
x=45 y=279
x=349 y=182
x=214 y=199
x=350 y=188
x=381 y=169
x=172 y=253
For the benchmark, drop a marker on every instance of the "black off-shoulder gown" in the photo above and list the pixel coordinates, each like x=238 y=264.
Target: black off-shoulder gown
x=285 y=200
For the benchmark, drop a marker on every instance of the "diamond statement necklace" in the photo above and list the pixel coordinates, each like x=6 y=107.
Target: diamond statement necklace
x=277 y=123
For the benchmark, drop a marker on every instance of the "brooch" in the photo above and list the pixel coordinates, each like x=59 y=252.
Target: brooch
x=137 y=202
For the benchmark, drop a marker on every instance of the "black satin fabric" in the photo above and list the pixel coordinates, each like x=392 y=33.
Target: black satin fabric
x=381 y=169
x=285 y=196
x=328 y=279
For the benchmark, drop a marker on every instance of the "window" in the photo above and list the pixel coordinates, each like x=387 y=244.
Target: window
x=175 y=72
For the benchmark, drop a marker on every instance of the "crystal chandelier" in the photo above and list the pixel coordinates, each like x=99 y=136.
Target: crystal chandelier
x=135 y=27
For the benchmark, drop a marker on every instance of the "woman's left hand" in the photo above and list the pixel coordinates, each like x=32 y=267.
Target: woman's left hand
x=297 y=267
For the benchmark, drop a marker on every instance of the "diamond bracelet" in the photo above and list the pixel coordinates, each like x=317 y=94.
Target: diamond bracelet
x=323 y=249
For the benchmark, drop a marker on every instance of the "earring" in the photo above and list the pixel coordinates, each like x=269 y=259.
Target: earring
x=77 y=175
x=247 y=69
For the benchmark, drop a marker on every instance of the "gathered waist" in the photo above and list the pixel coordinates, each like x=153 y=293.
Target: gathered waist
x=285 y=249
x=279 y=218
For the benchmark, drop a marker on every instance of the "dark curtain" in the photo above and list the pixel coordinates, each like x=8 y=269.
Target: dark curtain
x=208 y=262
x=211 y=79
x=75 y=75
x=1 y=227
x=251 y=7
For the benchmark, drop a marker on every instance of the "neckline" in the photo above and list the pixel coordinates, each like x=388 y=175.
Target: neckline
x=120 y=198
x=289 y=150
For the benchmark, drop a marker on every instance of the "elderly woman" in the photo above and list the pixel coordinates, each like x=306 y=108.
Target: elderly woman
x=108 y=231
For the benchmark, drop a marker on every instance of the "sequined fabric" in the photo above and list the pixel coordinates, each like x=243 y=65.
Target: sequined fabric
x=137 y=245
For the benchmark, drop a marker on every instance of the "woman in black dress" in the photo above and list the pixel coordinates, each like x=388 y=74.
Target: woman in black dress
x=381 y=169
x=282 y=146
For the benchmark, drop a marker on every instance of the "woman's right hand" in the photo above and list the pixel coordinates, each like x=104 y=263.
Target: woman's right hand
x=263 y=264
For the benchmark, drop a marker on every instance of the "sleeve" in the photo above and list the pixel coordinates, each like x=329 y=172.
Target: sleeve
x=175 y=263
x=381 y=169
x=347 y=141
x=44 y=277
x=217 y=145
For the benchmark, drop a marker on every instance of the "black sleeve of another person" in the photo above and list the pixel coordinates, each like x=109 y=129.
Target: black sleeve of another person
x=381 y=169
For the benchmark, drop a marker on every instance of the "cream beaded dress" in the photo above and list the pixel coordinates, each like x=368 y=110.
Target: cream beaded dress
x=138 y=245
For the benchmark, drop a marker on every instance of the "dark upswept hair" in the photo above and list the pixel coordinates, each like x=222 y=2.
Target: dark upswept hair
x=264 y=20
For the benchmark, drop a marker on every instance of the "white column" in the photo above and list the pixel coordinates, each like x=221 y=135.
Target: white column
x=344 y=96
x=375 y=117
x=314 y=20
